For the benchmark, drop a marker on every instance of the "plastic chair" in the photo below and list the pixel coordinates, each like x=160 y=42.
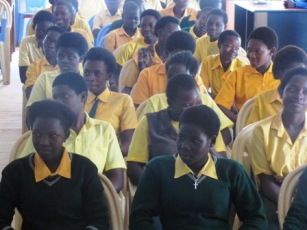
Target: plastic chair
x=5 y=49
x=139 y=110
x=244 y=114
x=101 y=35
x=91 y=22
x=287 y=191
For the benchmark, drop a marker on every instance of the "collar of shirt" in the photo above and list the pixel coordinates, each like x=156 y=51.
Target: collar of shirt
x=278 y=125
x=273 y=95
x=160 y=68
x=208 y=169
x=104 y=96
x=250 y=69
x=89 y=123
x=44 y=62
x=41 y=171
x=118 y=13
x=122 y=32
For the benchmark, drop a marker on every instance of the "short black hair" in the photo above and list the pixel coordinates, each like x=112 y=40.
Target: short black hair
x=226 y=34
x=164 y=21
x=180 y=40
x=69 y=6
x=131 y=5
x=209 y=3
x=219 y=12
x=179 y=81
x=73 y=80
x=265 y=34
x=285 y=57
x=43 y=16
x=285 y=80
x=203 y=117
x=139 y=2
x=72 y=40
x=58 y=29
x=185 y=58
x=74 y=3
x=203 y=11
x=51 y=109
x=101 y=54
x=151 y=12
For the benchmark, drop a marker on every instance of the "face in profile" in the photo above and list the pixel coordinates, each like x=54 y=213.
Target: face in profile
x=258 y=53
x=48 y=136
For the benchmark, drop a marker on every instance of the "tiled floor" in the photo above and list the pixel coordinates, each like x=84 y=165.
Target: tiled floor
x=10 y=113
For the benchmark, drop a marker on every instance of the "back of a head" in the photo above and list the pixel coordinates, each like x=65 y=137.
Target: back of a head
x=165 y=21
x=265 y=34
x=210 y=3
x=43 y=16
x=286 y=58
x=202 y=117
x=226 y=34
x=184 y=58
x=180 y=41
x=179 y=81
x=104 y=55
x=72 y=80
x=50 y=109
x=72 y=40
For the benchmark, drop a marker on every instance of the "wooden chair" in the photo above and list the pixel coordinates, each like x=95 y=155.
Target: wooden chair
x=287 y=191
x=244 y=114
x=5 y=45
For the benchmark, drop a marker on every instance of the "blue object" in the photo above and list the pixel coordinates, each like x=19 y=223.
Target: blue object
x=101 y=36
x=91 y=22
x=32 y=6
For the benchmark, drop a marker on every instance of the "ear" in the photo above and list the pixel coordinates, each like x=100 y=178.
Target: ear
x=272 y=51
x=212 y=140
x=83 y=97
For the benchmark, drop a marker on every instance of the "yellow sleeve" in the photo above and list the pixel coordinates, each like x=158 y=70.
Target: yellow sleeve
x=204 y=74
x=38 y=92
x=139 y=150
x=124 y=55
x=24 y=59
x=226 y=96
x=83 y=24
x=140 y=91
x=197 y=53
x=109 y=41
x=114 y=155
x=254 y=114
x=131 y=73
x=31 y=75
x=28 y=148
x=200 y=84
x=259 y=160
x=128 y=118
x=219 y=145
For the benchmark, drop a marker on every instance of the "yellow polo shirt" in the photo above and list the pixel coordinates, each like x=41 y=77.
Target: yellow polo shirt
x=41 y=170
x=208 y=169
x=273 y=152
x=151 y=81
x=266 y=104
x=139 y=146
x=115 y=108
x=119 y=37
x=152 y=4
x=128 y=50
x=104 y=18
x=159 y=101
x=36 y=68
x=243 y=84
x=212 y=72
x=29 y=51
x=192 y=3
x=89 y=8
x=96 y=140
x=191 y=31
x=170 y=12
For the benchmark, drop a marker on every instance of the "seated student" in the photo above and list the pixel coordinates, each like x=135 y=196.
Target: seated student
x=156 y=133
x=30 y=47
x=189 y=21
x=124 y=53
x=52 y=188
x=151 y=55
x=80 y=23
x=279 y=142
x=65 y=14
x=207 y=44
x=215 y=68
x=250 y=80
x=48 y=62
x=297 y=214
x=199 y=28
x=153 y=80
x=129 y=31
x=107 y=16
x=94 y=139
x=193 y=189
x=179 y=10
x=184 y=63
x=269 y=103
x=70 y=49
x=301 y=4
x=99 y=64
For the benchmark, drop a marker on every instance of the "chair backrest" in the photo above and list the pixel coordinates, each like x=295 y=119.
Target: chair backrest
x=122 y=74
x=19 y=145
x=244 y=114
x=91 y=22
x=287 y=191
x=113 y=202
x=241 y=147
x=100 y=37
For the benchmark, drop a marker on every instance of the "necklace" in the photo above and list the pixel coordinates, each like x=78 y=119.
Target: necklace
x=196 y=180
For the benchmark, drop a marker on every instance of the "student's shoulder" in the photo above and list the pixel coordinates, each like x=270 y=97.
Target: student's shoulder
x=162 y=162
x=228 y=167
x=18 y=165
